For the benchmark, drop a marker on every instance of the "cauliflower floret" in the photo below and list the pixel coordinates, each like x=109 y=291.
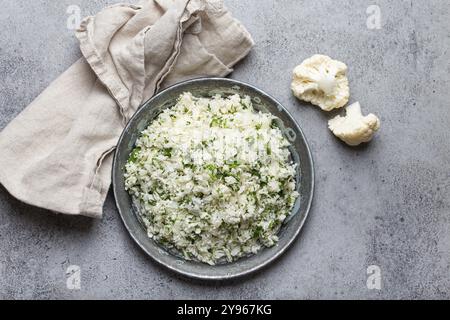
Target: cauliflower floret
x=354 y=128
x=322 y=81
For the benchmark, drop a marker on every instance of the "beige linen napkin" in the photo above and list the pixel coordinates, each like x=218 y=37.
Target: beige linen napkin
x=57 y=154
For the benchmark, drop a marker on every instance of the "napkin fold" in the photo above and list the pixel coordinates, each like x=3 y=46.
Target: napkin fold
x=57 y=154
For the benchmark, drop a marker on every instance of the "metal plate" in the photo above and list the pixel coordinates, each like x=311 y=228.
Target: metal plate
x=300 y=154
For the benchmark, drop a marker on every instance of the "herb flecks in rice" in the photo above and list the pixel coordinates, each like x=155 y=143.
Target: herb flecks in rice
x=212 y=178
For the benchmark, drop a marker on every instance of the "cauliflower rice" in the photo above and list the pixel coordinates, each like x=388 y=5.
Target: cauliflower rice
x=212 y=178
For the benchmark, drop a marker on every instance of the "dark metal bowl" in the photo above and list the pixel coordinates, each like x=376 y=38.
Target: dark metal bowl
x=300 y=154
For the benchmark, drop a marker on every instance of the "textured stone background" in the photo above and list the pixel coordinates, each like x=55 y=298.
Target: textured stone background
x=387 y=203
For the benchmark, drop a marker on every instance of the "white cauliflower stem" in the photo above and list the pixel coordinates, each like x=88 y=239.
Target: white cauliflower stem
x=354 y=128
x=322 y=81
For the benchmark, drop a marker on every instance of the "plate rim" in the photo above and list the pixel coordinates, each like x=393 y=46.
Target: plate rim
x=248 y=271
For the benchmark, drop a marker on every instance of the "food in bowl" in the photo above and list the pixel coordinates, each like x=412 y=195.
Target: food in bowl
x=212 y=178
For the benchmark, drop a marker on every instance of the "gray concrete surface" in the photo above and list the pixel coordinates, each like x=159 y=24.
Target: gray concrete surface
x=385 y=204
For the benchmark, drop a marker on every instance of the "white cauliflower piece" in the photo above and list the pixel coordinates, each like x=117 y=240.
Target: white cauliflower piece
x=322 y=81
x=354 y=128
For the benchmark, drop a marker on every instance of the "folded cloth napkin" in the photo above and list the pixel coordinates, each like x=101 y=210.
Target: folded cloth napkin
x=57 y=154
